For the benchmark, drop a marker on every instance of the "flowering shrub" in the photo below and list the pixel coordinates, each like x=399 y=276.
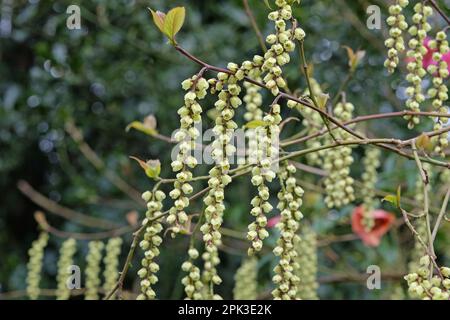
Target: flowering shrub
x=331 y=136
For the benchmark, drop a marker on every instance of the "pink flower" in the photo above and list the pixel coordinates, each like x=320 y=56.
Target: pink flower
x=383 y=222
x=273 y=221
x=428 y=58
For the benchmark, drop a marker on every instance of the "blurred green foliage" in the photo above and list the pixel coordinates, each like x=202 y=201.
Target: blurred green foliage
x=118 y=68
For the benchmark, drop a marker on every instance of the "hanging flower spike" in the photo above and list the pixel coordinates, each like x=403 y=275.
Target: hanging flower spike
x=337 y=161
x=306 y=264
x=395 y=43
x=190 y=114
x=417 y=52
x=262 y=174
x=281 y=44
x=66 y=253
x=222 y=149
x=111 y=261
x=439 y=92
x=152 y=240
x=193 y=286
x=246 y=280
x=34 y=266
x=93 y=258
x=369 y=178
x=290 y=201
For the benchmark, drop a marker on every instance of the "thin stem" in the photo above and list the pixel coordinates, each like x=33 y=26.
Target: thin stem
x=311 y=92
x=425 y=181
x=62 y=211
x=441 y=215
x=439 y=11
x=255 y=27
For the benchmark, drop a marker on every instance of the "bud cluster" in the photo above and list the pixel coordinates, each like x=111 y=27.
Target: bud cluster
x=93 y=259
x=395 y=43
x=111 y=261
x=422 y=284
x=193 y=285
x=306 y=267
x=369 y=178
x=337 y=161
x=66 y=253
x=290 y=201
x=439 y=91
x=246 y=280
x=416 y=53
x=190 y=114
x=34 y=266
x=150 y=243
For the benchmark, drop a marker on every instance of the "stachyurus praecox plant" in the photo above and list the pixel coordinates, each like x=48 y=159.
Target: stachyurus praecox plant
x=255 y=92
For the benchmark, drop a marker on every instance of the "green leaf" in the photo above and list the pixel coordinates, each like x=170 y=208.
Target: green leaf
x=148 y=126
x=394 y=199
x=423 y=142
x=391 y=199
x=322 y=99
x=399 y=195
x=173 y=22
x=158 y=19
x=255 y=124
x=152 y=168
x=354 y=58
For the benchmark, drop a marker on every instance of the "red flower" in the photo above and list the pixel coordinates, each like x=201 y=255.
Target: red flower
x=383 y=221
x=273 y=221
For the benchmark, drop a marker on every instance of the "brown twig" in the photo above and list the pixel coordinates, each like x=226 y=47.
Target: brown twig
x=59 y=210
x=439 y=11
x=255 y=27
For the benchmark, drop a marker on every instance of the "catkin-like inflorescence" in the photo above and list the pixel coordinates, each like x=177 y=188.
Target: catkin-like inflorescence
x=65 y=261
x=150 y=243
x=111 y=261
x=369 y=178
x=282 y=42
x=222 y=150
x=34 y=266
x=290 y=201
x=246 y=280
x=395 y=43
x=263 y=173
x=253 y=101
x=337 y=161
x=416 y=53
x=192 y=282
x=306 y=267
x=422 y=284
x=313 y=123
x=93 y=268
x=190 y=115
x=439 y=91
